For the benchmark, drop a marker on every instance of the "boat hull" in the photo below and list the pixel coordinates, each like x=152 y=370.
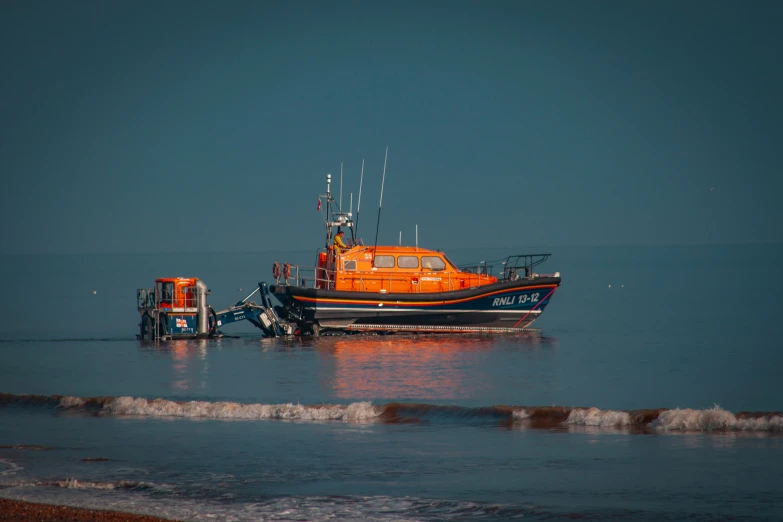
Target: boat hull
x=503 y=306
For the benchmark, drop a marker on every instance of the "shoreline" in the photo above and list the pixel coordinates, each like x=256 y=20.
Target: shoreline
x=15 y=510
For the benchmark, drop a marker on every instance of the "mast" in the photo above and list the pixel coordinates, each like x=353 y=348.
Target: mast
x=380 y=205
x=359 y=204
x=353 y=229
x=328 y=208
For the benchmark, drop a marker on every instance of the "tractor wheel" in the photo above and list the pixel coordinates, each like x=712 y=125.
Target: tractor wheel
x=147 y=332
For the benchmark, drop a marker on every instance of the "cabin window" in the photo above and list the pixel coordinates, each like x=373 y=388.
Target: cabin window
x=408 y=262
x=190 y=300
x=349 y=265
x=432 y=263
x=167 y=292
x=384 y=261
x=191 y=296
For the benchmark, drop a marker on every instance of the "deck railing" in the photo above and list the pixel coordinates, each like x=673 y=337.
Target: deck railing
x=510 y=268
x=514 y=266
x=157 y=298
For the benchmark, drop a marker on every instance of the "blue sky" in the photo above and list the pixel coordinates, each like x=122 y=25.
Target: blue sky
x=206 y=126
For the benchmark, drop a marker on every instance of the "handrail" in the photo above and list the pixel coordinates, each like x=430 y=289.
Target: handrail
x=145 y=298
x=302 y=275
x=153 y=298
x=512 y=266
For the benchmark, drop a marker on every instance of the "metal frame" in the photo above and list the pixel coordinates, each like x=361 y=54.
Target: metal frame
x=512 y=266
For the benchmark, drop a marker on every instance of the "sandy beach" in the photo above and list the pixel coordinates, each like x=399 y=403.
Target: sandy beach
x=17 y=510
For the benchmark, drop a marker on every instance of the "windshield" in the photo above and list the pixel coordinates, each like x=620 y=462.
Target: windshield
x=449 y=261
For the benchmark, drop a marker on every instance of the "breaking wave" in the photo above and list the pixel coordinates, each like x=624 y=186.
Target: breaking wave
x=713 y=419
x=716 y=419
x=233 y=410
x=343 y=508
x=72 y=483
x=7 y=467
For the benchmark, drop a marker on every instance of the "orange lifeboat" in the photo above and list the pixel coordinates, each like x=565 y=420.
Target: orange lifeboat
x=408 y=288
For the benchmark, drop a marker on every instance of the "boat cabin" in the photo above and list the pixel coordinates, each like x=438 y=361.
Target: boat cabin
x=391 y=269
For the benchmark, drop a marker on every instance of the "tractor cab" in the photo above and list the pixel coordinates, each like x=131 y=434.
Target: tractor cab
x=177 y=294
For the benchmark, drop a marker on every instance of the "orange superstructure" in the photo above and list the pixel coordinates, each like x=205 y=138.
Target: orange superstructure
x=178 y=293
x=390 y=269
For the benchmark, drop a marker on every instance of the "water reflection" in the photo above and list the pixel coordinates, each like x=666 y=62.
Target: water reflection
x=414 y=367
x=363 y=367
x=189 y=362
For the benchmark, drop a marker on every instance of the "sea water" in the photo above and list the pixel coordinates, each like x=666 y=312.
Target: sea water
x=651 y=392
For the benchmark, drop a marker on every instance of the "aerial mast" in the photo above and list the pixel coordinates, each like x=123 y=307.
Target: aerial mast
x=380 y=205
x=359 y=204
x=328 y=206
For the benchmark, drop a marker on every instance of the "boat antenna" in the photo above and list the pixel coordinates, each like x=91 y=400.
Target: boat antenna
x=353 y=229
x=380 y=205
x=359 y=205
x=341 y=186
x=417 y=236
x=399 y=243
x=328 y=205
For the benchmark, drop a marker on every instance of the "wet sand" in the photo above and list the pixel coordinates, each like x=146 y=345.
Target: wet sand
x=17 y=510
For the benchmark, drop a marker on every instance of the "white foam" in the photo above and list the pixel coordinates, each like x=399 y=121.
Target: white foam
x=72 y=483
x=772 y=423
x=349 y=509
x=596 y=417
x=233 y=410
x=72 y=402
x=11 y=467
x=713 y=419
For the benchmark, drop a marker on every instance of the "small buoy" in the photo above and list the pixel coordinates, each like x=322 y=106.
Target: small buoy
x=94 y=292
x=610 y=286
x=622 y=286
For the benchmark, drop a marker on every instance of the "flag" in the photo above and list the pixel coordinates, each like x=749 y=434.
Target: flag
x=319 y=204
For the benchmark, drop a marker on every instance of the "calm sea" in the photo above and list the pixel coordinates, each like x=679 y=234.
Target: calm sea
x=403 y=427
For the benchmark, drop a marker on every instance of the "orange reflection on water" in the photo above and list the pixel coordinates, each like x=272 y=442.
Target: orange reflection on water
x=408 y=367
x=188 y=362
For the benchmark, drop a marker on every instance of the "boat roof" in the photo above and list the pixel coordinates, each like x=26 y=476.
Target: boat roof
x=391 y=249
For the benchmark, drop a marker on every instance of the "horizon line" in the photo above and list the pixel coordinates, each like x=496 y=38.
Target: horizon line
x=441 y=249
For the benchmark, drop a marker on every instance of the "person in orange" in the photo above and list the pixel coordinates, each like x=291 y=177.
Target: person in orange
x=339 y=244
